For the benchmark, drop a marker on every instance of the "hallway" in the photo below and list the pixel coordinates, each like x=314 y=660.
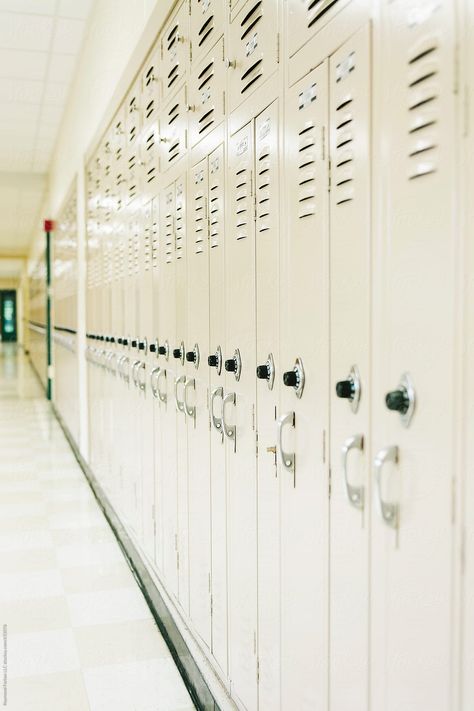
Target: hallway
x=80 y=636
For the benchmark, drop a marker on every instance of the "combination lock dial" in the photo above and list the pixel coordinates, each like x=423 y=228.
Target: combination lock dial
x=134 y=343
x=345 y=389
x=230 y=365
x=212 y=361
x=162 y=350
x=398 y=401
x=152 y=347
x=141 y=345
x=234 y=365
x=176 y=353
x=295 y=378
x=350 y=389
x=403 y=399
x=263 y=372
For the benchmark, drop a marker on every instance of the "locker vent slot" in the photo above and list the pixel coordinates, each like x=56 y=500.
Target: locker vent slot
x=149 y=76
x=118 y=154
x=317 y=9
x=180 y=225
x=216 y=190
x=251 y=75
x=307 y=169
x=150 y=109
x=265 y=178
x=205 y=30
x=251 y=19
x=423 y=90
x=173 y=75
x=242 y=201
x=154 y=244
x=147 y=249
x=151 y=174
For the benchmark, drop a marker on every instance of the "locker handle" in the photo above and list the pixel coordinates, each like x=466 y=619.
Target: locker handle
x=141 y=383
x=190 y=409
x=216 y=421
x=388 y=511
x=163 y=396
x=229 y=430
x=154 y=376
x=179 y=403
x=125 y=375
x=287 y=459
x=135 y=365
x=355 y=494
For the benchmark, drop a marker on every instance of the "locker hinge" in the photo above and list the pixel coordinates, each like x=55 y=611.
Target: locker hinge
x=329 y=482
x=256 y=443
x=253 y=417
x=329 y=175
x=278 y=47
x=212 y=606
x=258 y=670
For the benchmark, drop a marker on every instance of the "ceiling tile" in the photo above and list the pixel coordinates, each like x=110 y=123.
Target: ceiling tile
x=34 y=7
x=51 y=115
x=73 y=8
x=30 y=32
x=61 y=67
x=18 y=64
x=20 y=91
x=55 y=93
x=68 y=36
x=27 y=112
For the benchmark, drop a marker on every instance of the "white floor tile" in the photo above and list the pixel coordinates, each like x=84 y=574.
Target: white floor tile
x=106 y=606
x=23 y=586
x=47 y=652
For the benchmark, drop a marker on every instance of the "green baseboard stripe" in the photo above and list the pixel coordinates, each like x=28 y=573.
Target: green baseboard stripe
x=190 y=672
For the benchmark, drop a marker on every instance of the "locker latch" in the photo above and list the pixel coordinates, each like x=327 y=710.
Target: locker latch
x=295 y=378
x=267 y=371
x=350 y=388
x=403 y=399
x=234 y=365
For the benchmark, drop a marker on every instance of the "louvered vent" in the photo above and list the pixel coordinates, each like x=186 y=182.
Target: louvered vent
x=155 y=243
x=206 y=109
x=200 y=216
x=264 y=178
x=207 y=27
x=150 y=103
x=216 y=190
x=317 y=9
x=130 y=255
x=133 y=119
x=172 y=40
x=307 y=145
x=243 y=190
x=344 y=158
x=169 y=232
x=147 y=247
x=250 y=26
x=136 y=251
x=174 y=148
x=180 y=221
x=423 y=109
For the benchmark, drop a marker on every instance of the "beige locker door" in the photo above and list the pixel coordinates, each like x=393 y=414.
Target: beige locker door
x=253 y=48
x=306 y=17
x=267 y=176
x=145 y=393
x=151 y=80
x=349 y=142
x=303 y=431
x=207 y=94
x=207 y=25
x=217 y=325
x=167 y=338
x=414 y=298
x=173 y=131
x=197 y=413
x=239 y=414
x=175 y=50
x=181 y=428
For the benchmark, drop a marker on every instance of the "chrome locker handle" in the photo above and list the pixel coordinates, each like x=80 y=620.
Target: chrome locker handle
x=217 y=421
x=179 y=403
x=229 y=430
x=355 y=494
x=141 y=383
x=388 y=511
x=154 y=375
x=287 y=459
x=126 y=373
x=190 y=409
x=163 y=396
x=135 y=365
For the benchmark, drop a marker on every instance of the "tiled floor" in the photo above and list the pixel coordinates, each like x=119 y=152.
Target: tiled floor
x=80 y=636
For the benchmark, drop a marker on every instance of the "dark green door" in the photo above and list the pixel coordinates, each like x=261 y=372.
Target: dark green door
x=8 y=315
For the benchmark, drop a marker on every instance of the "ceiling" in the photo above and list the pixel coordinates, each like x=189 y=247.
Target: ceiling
x=39 y=45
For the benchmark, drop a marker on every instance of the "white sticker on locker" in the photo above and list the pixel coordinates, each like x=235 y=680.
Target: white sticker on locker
x=251 y=45
x=344 y=68
x=307 y=96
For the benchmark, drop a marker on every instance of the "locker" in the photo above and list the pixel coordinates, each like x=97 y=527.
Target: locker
x=133 y=127
x=207 y=94
x=238 y=418
x=175 y=49
x=207 y=24
x=413 y=474
x=267 y=196
x=306 y=17
x=303 y=422
x=173 y=130
x=217 y=346
x=167 y=339
x=151 y=79
x=349 y=145
x=253 y=48
x=196 y=403
x=179 y=355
